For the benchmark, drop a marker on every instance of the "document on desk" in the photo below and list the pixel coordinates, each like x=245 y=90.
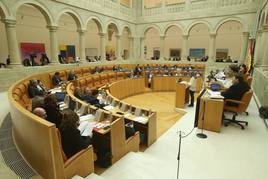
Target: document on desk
x=109 y=107
x=88 y=117
x=141 y=119
x=86 y=128
x=214 y=94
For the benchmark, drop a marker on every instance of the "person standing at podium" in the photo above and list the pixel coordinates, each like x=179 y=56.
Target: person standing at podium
x=192 y=88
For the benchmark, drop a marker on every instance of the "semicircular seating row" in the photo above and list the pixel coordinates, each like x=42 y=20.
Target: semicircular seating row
x=33 y=134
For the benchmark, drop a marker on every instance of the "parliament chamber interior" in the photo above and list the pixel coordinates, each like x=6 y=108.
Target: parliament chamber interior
x=127 y=89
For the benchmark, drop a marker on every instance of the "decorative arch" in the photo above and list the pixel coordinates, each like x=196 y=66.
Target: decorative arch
x=127 y=27
x=74 y=15
x=244 y=26
x=112 y=23
x=97 y=21
x=3 y=11
x=43 y=9
x=175 y=25
x=145 y=30
x=199 y=22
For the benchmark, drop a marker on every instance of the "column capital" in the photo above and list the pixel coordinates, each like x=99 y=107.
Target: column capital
x=246 y=34
x=102 y=34
x=53 y=28
x=81 y=31
x=185 y=36
x=10 y=22
x=118 y=36
x=213 y=35
x=264 y=28
x=162 y=37
x=130 y=38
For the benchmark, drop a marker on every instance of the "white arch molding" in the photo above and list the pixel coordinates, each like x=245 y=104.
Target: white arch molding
x=97 y=21
x=177 y=25
x=39 y=5
x=145 y=30
x=112 y=22
x=241 y=21
x=123 y=28
x=77 y=18
x=199 y=22
x=3 y=10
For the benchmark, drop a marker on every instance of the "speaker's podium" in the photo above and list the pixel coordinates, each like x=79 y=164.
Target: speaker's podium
x=182 y=94
x=209 y=112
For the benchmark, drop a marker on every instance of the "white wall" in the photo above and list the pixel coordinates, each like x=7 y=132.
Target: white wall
x=173 y=40
x=67 y=33
x=199 y=37
x=31 y=27
x=152 y=41
x=92 y=37
x=229 y=36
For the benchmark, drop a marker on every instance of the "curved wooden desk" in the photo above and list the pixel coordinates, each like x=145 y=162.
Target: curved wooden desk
x=36 y=139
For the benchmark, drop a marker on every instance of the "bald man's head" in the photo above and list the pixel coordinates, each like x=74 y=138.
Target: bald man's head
x=40 y=112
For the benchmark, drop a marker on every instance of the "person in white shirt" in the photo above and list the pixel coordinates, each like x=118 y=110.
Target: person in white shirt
x=192 y=88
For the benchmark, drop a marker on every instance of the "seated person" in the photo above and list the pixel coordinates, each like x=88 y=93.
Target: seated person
x=237 y=90
x=72 y=141
x=54 y=114
x=35 y=90
x=137 y=70
x=56 y=80
x=77 y=93
x=44 y=59
x=71 y=76
x=228 y=59
x=91 y=97
x=40 y=112
x=115 y=68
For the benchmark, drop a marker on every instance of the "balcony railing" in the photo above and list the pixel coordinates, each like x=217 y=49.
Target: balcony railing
x=196 y=5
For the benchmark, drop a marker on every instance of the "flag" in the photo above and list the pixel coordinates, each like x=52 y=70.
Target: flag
x=250 y=56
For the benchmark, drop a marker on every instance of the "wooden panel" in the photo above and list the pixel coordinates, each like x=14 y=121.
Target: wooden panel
x=182 y=95
x=212 y=114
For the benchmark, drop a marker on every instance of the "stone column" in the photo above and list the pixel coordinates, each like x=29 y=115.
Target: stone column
x=12 y=42
x=257 y=60
x=82 y=45
x=131 y=46
x=264 y=47
x=243 y=54
x=142 y=42
x=102 y=46
x=185 y=50
x=212 y=51
x=162 y=47
x=53 y=44
x=118 y=47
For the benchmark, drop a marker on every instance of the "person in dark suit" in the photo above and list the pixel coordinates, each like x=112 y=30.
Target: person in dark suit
x=237 y=90
x=34 y=89
x=77 y=93
x=72 y=141
x=71 y=76
x=54 y=114
x=56 y=80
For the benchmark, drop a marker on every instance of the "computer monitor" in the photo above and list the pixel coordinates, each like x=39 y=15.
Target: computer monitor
x=197 y=107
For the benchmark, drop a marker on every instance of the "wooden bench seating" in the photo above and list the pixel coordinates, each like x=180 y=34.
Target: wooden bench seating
x=37 y=139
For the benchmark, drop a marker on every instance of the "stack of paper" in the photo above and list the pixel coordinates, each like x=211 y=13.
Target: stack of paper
x=109 y=107
x=141 y=119
x=215 y=94
x=88 y=117
x=86 y=128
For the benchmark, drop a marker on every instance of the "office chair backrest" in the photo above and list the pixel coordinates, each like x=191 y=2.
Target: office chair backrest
x=246 y=100
x=249 y=80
